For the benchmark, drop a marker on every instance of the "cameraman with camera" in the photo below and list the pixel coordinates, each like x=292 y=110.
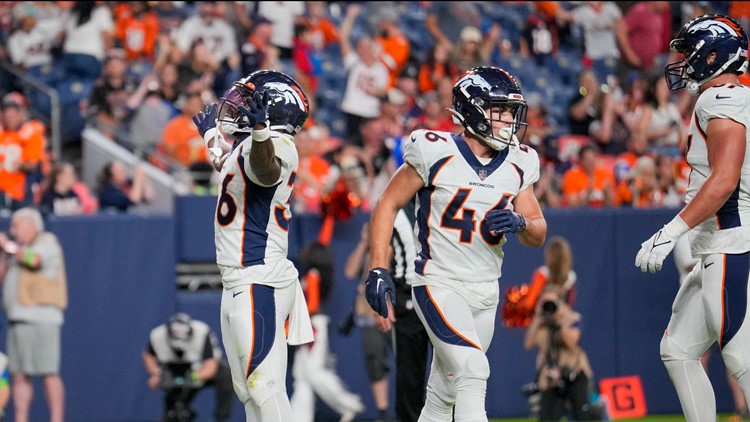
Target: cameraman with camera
x=183 y=356
x=562 y=365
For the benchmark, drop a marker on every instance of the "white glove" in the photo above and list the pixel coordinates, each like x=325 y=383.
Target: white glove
x=654 y=250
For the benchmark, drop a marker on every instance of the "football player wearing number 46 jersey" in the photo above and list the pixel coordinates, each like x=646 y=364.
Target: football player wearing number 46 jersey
x=253 y=150
x=472 y=189
x=712 y=303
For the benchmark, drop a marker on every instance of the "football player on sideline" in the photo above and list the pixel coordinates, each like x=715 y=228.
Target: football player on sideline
x=471 y=189
x=254 y=152
x=711 y=304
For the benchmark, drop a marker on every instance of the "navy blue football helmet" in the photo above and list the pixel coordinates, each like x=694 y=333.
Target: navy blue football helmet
x=479 y=95
x=288 y=108
x=696 y=41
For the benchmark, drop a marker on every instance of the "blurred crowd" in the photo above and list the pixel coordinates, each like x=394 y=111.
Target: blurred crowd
x=607 y=128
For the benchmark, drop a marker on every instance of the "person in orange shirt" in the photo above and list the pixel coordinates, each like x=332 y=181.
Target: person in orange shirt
x=137 y=29
x=181 y=140
x=22 y=147
x=393 y=43
x=323 y=31
x=589 y=184
x=436 y=67
x=314 y=175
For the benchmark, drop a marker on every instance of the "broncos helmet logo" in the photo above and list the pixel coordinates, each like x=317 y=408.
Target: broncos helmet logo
x=716 y=27
x=290 y=95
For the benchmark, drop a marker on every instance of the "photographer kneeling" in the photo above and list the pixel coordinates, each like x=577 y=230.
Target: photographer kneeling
x=562 y=365
x=182 y=357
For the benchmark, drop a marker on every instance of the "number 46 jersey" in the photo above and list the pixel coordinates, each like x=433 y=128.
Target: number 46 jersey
x=459 y=190
x=252 y=220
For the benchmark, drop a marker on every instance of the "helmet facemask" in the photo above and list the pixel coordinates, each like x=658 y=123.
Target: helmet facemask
x=490 y=112
x=229 y=118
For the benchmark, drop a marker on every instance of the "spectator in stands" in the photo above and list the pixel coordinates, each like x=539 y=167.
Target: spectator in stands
x=107 y=104
x=473 y=50
x=32 y=267
x=315 y=175
x=547 y=189
x=4 y=385
x=540 y=37
x=324 y=32
x=22 y=145
x=392 y=113
x=170 y=16
x=257 y=52
x=200 y=65
x=219 y=39
x=433 y=115
x=149 y=113
x=181 y=141
x=641 y=190
x=665 y=177
x=436 y=67
x=64 y=194
x=562 y=365
x=136 y=31
x=283 y=15
x=375 y=343
x=645 y=25
x=367 y=78
x=181 y=357
x=664 y=127
x=307 y=64
x=538 y=128
x=394 y=45
x=117 y=192
x=30 y=45
x=593 y=111
x=88 y=35
x=446 y=20
x=603 y=27
x=589 y=184
x=625 y=161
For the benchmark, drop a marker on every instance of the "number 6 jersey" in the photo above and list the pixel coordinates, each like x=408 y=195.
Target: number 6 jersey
x=252 y=220
x=459 y=190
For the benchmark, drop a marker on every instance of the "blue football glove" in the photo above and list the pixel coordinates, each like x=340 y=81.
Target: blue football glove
x=379 y=284
x=256 y=110
x=206 y=119
x=505 y=221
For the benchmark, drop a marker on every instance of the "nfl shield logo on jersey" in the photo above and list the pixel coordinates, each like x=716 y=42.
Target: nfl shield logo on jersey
x=482 y=174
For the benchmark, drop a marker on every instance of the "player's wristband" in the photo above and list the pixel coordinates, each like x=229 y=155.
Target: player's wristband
x=210 y=134
x=676 y=228
x=262 y=135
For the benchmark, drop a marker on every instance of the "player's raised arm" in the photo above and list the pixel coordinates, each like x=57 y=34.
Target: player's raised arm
x=217 y=147
x=263 y=161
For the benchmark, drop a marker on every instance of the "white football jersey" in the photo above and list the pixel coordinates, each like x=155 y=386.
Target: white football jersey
x=453 y=239
x=729 y=230
x=252 y=220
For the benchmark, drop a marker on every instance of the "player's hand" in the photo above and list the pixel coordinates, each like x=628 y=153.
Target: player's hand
x=654 y=250
x=206 y=119
x=256 y=110
x=505 y=221
x=377 y=286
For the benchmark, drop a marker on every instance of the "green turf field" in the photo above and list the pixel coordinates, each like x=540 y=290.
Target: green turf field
x=659 y=418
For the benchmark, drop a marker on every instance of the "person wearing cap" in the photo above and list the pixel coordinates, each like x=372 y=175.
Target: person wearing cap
x=22 y=146
x=257 y=52
x=181 y=357
x=32 y=271
x=181 y=140
x=473 y=49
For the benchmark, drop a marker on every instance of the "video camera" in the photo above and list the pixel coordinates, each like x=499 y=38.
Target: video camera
x=177 y=376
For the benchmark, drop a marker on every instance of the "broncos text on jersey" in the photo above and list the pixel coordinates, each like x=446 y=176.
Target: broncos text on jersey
x=729 y=230
x=459 y=190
